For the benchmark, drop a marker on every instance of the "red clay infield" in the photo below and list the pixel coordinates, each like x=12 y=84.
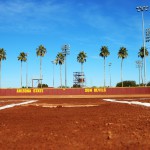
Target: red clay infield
x=93 y=124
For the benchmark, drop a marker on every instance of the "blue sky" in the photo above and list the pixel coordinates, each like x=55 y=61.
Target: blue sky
x=84 y=25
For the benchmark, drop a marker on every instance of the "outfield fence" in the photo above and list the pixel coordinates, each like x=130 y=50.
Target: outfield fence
x=75 y=91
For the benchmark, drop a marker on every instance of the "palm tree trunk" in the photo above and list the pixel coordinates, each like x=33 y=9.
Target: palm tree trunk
x=121 y=72
x=82 y=67
x=82 y=74
x=139 y=75
x=0 y=72
x=26 y=74
x=60 y=78
x=65 y=71
x=104 y=73
x=21 y=74
x=142 y=70
x=41 y=70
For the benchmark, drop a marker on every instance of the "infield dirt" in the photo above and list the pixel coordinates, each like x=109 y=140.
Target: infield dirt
x=105 y=126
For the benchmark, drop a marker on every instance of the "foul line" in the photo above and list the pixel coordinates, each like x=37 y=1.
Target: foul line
x=127 y=102
x=18 y=104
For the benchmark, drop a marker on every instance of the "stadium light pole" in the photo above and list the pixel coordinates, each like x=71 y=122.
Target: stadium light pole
x=65 y=52
x=53 y=62
x=110 y=72
x=142 y=9
x=147 y=38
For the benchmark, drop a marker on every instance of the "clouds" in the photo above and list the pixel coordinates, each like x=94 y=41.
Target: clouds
x=29 y=8
x=77 y=19
x=46 y=16
x=31 y=15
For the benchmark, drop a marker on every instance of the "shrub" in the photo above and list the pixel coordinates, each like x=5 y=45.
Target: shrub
x=126 y=84
x=76 y=86
x=42 y=85
x=148 y=84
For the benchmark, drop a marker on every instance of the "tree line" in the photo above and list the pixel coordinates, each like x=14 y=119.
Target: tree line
x=81 y=58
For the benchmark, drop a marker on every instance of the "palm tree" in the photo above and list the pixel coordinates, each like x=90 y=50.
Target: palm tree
x=81 y=58
x=40 y=51
x=122 y=54
x=60 y=60
x=141 y=54
x=22 y=57
x=104 y=53
x=2 y=57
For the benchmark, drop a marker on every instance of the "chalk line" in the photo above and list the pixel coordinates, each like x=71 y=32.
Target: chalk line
x=18 y=104
x=127 y=102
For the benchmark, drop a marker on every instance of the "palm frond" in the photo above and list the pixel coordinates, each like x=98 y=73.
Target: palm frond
x=41 y=51
x=81 y=58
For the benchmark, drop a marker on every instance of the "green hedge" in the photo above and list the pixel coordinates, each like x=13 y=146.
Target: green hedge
x=126 y=84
